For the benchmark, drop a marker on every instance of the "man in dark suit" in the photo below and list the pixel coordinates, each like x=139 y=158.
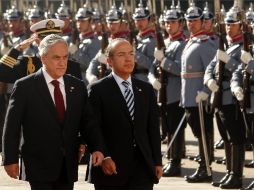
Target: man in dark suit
x=51 y=110
x=130 y=126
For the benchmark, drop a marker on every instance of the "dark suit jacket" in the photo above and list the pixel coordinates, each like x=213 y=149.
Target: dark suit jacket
x=118 y=129
x=32 y=110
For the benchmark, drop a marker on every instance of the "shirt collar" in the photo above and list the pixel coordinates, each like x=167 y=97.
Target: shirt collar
x=119 y=80
x=49 y=79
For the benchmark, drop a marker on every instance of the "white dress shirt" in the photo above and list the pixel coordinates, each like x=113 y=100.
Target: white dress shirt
x=51 y=87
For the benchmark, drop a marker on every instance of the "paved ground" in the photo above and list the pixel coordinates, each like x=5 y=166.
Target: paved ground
x=173 y=183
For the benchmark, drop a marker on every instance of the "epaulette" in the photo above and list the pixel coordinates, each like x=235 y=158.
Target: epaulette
x=10 y=59
x=87 y=41
x=201 y=38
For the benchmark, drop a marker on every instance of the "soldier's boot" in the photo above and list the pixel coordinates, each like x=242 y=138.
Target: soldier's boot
x=235 y=179
x=200 y=174
x=219 y=144
x=228 y=165
x=249 y=187
x=174 y=165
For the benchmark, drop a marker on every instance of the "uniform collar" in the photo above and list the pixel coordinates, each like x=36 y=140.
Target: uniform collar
x=17 y=33
x=200 y=33
x=236 y=39
x=148 y=32
x=66 y=31
x=86 y=35
x=177 y=37
x=121 y=34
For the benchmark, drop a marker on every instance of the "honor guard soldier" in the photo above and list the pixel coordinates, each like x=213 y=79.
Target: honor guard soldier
x=89 y=43
x=208 y=25
x=197 y=54
x=35 y=15
x=238 y=83
x=63 y=13
x=16 y=30
x=217 y=78
x=96 y=24
x=13 y=66
x=116 y=30
x=170 y=62
x=146 y=42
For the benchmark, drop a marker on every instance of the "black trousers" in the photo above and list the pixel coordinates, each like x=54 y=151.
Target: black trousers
x=60 y=184
x=141 y=177
x=174 y=116
x=232 y=129
x=192 y=116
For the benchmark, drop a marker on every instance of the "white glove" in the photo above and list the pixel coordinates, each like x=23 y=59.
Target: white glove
x=238 y=92
x=202 y=96
x=212 y=85
x=155 y=83
x=222 y=56
x=158 y=54
x=246 y=57
x=102 y=58
x=92 y=79
x=72 y=48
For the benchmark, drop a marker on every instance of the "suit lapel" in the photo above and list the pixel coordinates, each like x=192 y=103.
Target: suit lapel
x=118 y=96
x=68 y=91
x=44 y=92
x=137 y=90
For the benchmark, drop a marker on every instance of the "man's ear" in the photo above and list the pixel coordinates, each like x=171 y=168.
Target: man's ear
x=109 y=61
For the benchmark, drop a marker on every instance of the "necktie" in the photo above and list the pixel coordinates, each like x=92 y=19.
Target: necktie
x=129 y=98
x=59 y=101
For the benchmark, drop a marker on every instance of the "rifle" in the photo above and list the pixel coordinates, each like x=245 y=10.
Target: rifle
x=162 y=94
x=245 y=103
x=217 y=101
x=104 y=44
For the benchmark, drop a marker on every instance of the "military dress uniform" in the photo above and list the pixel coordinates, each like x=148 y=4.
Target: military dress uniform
x=237 y=88
x=171 y=65
x=232 y=126
x=146 y=43
x=64 y=13
x=93 y=70
x=89 y=44
x=35 y=15
x=9 y=40
x=197 y=54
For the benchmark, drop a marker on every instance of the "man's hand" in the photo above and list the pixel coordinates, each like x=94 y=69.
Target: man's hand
x=81 y=153
x=201 y=96
x=158 y=54
x=158 y=171
x=12 y=170
x=109 y=166
x=97 y=158
x=238 y=92
x=26 y=43
x=246 y=57
x=222 y=56
x=212 y=85
x=102 y=58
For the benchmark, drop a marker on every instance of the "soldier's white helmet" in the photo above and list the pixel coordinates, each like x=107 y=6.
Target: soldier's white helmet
x=208 y=15
x=84 y=13
x=113 y=15
x=193 y=13
x=233 y=16
x=13 y=14
x=141 y=12
x=63 y=11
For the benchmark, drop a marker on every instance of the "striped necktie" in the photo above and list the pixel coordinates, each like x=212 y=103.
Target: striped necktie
x=129 y=98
